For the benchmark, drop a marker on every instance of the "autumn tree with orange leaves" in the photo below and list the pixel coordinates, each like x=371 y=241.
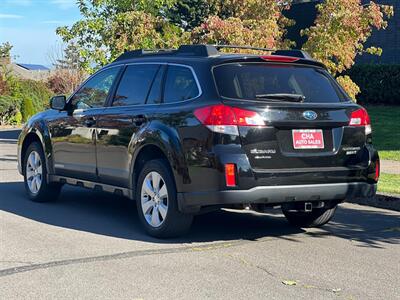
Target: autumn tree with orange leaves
x=341 y=29
x=110 y=26
x=258 y=23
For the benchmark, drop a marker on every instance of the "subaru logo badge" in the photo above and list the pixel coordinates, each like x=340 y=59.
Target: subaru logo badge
x=310 y=115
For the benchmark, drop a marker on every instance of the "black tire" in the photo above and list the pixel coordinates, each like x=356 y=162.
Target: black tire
x=47 y=191
x=316 y=218
x=175 y=223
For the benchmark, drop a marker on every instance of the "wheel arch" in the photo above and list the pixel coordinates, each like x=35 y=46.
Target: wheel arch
x=146 y=153
x=37 y=134
x=159 y=143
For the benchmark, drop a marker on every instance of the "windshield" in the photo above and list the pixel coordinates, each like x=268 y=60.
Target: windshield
x=277 y=82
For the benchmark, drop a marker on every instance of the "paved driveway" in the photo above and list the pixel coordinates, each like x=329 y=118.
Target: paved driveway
x=90 y=245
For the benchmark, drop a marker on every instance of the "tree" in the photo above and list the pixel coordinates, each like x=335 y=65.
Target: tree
x=189 y=14
x=109 y=27
x=257 y=23
x=3 y=83
x=5 y=50
x=65 y=56
x=340 y=31
x=65 y=81
x=68 y=74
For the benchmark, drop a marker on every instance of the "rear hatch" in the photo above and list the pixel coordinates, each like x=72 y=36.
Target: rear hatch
x=306 y=116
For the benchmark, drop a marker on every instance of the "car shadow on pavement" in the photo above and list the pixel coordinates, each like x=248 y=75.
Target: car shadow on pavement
x=106 y=214
x=8 y=158
x=363 y=225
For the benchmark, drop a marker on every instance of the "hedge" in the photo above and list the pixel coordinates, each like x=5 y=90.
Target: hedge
x=9 y=111
x=36 y=91
x=27 y=109
x=379 y=84
x=21 y=98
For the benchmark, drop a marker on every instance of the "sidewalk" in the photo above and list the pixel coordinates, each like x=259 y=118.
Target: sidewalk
x=390 y=166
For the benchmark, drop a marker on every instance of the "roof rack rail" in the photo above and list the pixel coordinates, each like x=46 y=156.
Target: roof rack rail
x=197 y=50
x=288 y=52
x=183 y=50
x=206 y=51
x=141 y=52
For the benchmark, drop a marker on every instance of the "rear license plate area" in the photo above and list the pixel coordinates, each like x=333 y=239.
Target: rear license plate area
x=308 y=139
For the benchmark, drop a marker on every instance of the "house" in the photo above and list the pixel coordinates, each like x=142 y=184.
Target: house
x=30 y=71
x=26 y=71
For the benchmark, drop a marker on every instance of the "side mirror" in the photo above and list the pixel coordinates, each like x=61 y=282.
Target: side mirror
x=58 y=102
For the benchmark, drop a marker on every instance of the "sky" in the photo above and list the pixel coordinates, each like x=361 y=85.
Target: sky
x=29 y=25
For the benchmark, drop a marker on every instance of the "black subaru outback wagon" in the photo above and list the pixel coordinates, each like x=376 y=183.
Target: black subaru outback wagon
x=193 y=129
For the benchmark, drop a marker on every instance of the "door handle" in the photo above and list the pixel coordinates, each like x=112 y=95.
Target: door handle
x=89 y=122
x=139 y=120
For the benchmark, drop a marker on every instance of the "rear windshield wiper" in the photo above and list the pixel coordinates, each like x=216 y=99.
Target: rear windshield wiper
x=282 y=97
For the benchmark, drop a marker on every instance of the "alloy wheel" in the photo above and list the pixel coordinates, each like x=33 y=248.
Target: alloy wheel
x=154 y=199
x=34 y=172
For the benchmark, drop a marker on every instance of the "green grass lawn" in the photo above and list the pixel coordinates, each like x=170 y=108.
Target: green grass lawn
x=386 y=130
x=389 y=183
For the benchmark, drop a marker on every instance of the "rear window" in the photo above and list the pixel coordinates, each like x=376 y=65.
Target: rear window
x=251 y=81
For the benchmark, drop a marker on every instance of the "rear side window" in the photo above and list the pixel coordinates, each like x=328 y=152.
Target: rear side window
x=135 y=84
x=180 y=84
x=156 y=88
x=252 y=81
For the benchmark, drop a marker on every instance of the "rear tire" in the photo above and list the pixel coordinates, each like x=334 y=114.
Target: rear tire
x=316 y=218
x=156 y=200
x=35 y=176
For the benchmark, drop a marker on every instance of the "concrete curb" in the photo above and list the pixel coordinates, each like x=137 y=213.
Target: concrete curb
x=386 y=201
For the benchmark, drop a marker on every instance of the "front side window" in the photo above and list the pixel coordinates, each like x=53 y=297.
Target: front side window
x=94 y=92
x=135 y=84
x=180 y=84
x=263 y=82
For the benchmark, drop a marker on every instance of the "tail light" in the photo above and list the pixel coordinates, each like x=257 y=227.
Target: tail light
x=360 y=117
x=377 y=171
x=230 y=174
x=225 y=119
x=279 y=58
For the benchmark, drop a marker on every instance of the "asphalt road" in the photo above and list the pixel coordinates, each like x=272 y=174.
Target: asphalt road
x=90 y=246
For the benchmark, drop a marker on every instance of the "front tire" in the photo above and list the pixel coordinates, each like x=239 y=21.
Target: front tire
x=157 y=205
x=35 y=176
x=316 y=218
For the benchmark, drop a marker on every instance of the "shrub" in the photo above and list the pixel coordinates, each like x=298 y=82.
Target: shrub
x=3 y=85
x=27 y=109
x=65 y=81
x=14 y=90
x=16 y=119
x=9 y=109
x=36 y=91
x=379 y=84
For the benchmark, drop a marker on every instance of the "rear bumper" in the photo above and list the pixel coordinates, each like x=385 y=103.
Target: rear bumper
x=193 y=201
